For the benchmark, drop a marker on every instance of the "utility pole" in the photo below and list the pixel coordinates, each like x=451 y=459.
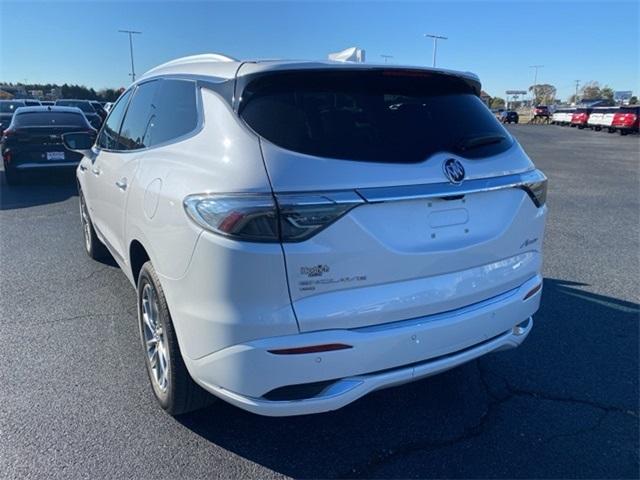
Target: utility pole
x=575 y=99
x=130 y=33
x=535 y=82
x=386 y=57
x=435 y=44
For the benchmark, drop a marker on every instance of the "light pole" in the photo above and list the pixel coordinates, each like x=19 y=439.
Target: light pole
x=575 y=99
x=130 y=33
x=435 y=44
x=386 y=57
x=535 y=82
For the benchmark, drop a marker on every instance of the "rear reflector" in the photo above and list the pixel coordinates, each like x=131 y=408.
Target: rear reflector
x=533 y=291
x=329 y=347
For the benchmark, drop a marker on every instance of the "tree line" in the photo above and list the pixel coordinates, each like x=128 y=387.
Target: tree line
x=74 y=91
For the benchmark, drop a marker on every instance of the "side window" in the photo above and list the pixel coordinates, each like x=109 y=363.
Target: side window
x=136 y=127
x=175 y=113
x=109 y=135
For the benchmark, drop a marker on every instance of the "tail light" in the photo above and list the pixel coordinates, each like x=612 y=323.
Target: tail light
x=625 y=119
x=263 y=218
x=536 y=188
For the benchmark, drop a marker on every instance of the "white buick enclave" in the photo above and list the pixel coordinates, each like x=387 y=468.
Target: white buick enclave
x=303 y=233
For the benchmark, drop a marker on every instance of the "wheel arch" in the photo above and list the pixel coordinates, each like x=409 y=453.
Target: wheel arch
x=138 y=256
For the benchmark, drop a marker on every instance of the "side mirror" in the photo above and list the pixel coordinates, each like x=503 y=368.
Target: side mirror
x=80 y=142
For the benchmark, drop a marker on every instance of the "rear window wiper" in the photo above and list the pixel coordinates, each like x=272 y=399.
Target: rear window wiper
x=479 y=141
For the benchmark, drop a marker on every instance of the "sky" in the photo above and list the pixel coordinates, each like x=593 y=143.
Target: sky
x=78 y=42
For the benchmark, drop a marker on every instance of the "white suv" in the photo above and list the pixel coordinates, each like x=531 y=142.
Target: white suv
x=303 y=233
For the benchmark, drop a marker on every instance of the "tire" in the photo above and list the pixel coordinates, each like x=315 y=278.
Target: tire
x=92 y=244
x=11 y=176
x=172 y=385
x=622 y=132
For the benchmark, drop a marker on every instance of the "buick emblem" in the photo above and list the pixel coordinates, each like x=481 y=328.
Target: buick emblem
x=453 y=170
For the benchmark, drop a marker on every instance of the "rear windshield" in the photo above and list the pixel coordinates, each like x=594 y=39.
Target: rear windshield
x=10 y=107
x=84 y=106
x=629 y=110
x=43 y=119
x=381 y=116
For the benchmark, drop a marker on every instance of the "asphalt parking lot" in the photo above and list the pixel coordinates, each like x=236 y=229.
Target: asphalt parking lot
x=75 y=400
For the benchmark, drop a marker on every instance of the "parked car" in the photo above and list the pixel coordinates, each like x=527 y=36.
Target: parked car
x=87 y=108
x=601 y=117
x=30 y=102
x=107 y=106
x=47 y=102
x=97 y=106
x=33 y=140
x=541 y=111
x=319 y=239
x=509 y=117
x=626 y=120
x=580 y=117
x=7 y=109
x=562 y=116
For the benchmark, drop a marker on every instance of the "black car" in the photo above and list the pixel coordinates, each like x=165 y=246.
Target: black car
x=33 y=140
x=30 y=102
x=7 y=108
x=87 y=108
x=509 y=117
x=99 y=109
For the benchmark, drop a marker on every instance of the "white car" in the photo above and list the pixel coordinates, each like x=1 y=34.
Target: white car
x=303 y=233
x=562 y=116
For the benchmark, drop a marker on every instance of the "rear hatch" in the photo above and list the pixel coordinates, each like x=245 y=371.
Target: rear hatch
x=369 y=143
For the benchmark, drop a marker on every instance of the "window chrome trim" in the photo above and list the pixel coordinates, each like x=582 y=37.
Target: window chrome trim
x=443 y=190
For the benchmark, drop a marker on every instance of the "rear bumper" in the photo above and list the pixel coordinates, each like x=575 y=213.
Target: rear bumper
x=380 y=356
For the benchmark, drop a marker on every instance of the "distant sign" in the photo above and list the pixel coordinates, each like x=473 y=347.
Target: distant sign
x=622 y=95
x=516 y=92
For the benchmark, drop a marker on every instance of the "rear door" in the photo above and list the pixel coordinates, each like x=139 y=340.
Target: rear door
x=114 y=171
x=333 y=138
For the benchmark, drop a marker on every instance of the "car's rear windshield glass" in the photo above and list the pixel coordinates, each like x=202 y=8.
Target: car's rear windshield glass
x=629 y=110
x=398 y=116
x=84 y=106
x=10 y=107
x=43 y=119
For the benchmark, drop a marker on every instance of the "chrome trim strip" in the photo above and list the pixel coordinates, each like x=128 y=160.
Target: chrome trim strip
x=24 y=166
x=338 y=197
x=443 y=190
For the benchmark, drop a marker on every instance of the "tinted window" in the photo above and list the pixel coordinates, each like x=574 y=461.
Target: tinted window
x=10 y=107
x=174 y=111
x=386 y=115
x=629 y=110
x=36 y=119
x=109 y=135
x=135 y=131
x=84 y=106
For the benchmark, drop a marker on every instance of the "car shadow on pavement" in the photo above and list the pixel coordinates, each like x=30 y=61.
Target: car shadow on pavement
x=37 y=189
x=541 y=410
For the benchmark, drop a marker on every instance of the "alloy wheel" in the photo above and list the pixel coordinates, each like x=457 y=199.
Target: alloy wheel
x=154 y=338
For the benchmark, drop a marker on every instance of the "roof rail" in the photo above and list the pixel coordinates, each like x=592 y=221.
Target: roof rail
x=191 y=59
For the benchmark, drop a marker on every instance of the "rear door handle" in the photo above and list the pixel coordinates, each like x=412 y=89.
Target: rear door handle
x=96 y=171
x=83 y=168
x=122 y=184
